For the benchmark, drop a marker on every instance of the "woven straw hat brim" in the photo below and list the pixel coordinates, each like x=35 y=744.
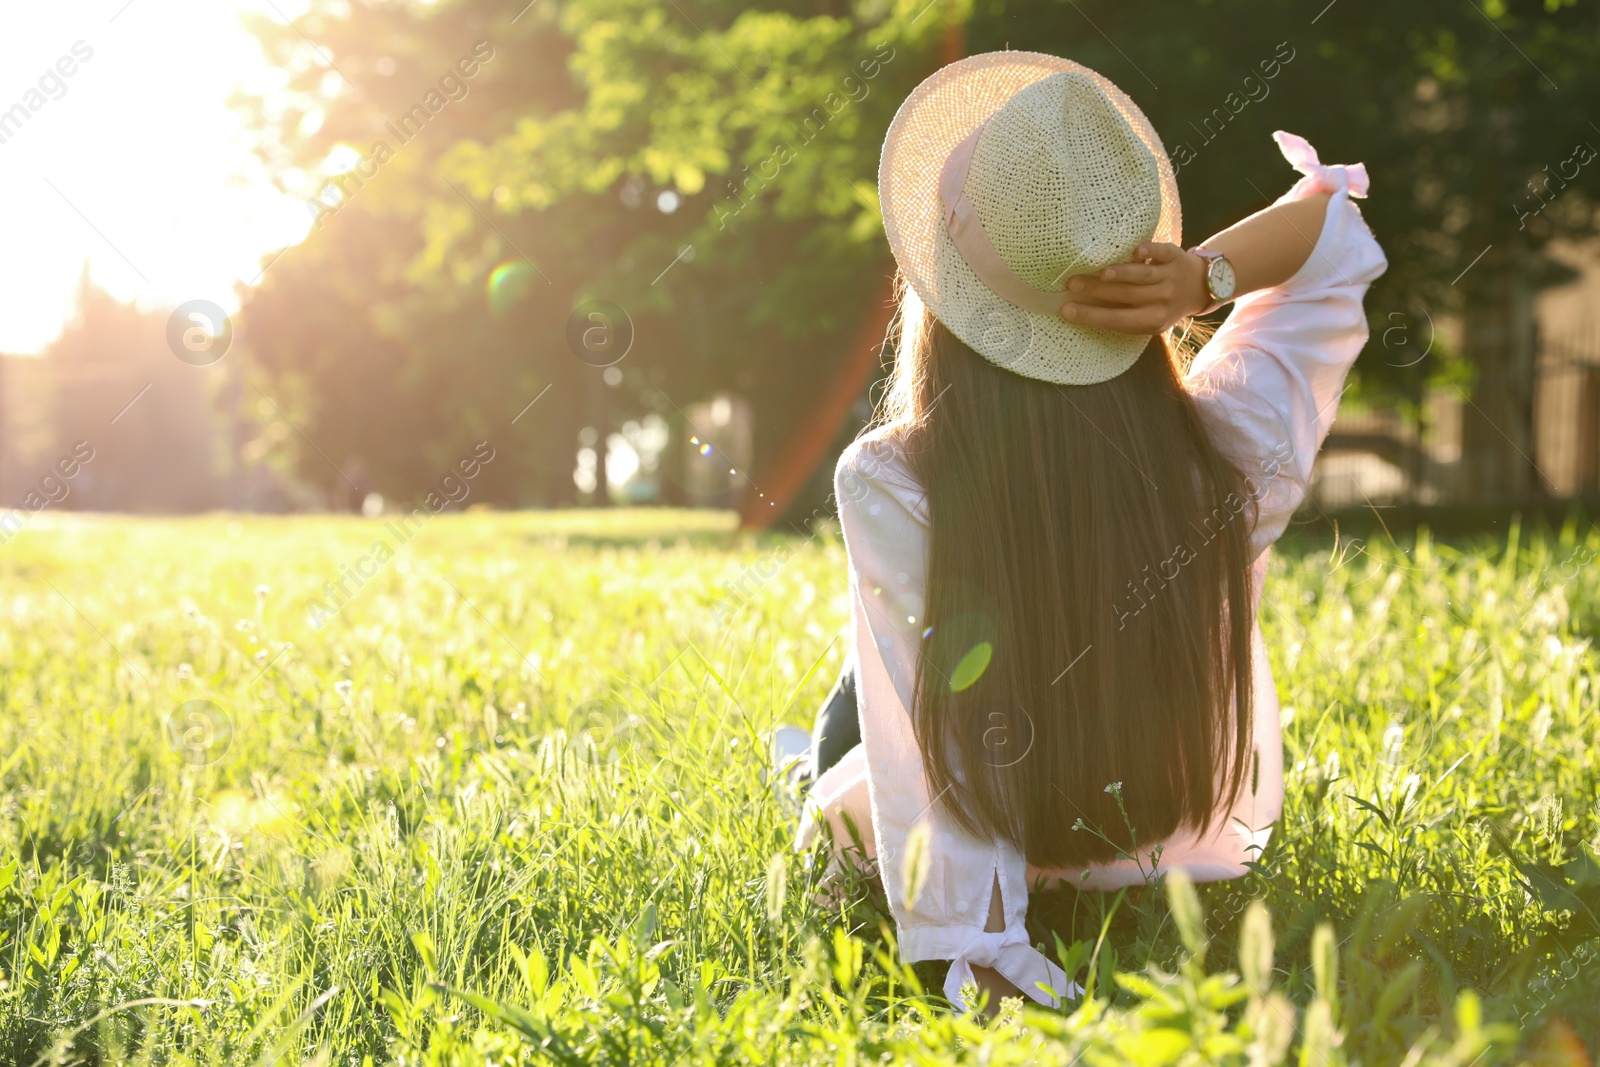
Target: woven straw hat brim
x=937 y=116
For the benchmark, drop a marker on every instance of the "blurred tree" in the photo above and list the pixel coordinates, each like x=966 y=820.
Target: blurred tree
x=708 y=166
x=380 y=360
x=712 y=172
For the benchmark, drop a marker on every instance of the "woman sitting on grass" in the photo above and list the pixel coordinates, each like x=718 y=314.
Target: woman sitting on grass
x=1057 y=532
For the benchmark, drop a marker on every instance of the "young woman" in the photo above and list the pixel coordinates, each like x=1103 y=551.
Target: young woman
x=1057 y=532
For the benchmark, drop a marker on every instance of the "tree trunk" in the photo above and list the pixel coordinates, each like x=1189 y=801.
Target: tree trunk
x=600 y=419
x=672 y=469
x=1497 y=438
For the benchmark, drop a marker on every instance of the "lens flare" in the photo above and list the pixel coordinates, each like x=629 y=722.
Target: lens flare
x=971 y=666
x=509 y=285
x=961 y=648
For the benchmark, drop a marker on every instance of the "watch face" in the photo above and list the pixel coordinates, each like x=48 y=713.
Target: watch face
x=1220 y=278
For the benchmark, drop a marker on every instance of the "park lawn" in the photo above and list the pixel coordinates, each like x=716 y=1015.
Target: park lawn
x=507 y=804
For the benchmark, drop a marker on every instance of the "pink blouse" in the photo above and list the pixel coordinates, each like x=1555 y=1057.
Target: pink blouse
x=1267 y=385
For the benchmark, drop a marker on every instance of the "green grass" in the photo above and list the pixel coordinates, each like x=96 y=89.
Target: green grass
x=508 y=806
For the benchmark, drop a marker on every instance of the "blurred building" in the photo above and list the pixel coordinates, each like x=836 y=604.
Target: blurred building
x=718 y=450
x=138 y=429
x=1378 y=456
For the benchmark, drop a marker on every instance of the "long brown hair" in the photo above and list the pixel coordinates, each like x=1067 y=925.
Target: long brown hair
x=1088 y=652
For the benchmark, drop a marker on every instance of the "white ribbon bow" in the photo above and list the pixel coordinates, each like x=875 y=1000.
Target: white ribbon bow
x=1330 y=179
x=1008 y=952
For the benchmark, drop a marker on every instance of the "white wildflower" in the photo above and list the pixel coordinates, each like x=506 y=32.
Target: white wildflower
x=1394 y=740
x=1408 y=788
x=1540 y=727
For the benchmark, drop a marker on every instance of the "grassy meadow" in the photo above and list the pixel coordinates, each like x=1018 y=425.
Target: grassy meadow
x=507 y=804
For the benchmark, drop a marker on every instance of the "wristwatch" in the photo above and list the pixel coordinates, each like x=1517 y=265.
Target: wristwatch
x=1220 y=280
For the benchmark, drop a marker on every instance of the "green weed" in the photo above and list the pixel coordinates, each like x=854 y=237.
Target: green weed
x=508 y=805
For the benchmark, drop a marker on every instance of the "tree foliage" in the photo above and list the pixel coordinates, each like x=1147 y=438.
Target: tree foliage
x=709 y=166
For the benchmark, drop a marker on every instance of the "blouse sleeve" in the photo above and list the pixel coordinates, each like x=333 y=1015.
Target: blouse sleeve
x=938 y=879
x=1268 y=383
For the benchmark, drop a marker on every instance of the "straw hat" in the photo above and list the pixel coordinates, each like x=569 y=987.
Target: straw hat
x=1003 y=175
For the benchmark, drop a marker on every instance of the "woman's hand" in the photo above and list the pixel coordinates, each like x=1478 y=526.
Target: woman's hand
x=1160 y=286
x=1164 y=283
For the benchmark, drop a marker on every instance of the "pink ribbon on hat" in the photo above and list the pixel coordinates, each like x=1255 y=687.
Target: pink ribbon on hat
x=1303 y=158
x=966 y=230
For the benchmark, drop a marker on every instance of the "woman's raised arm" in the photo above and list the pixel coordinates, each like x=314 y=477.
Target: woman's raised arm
x=1164 y=284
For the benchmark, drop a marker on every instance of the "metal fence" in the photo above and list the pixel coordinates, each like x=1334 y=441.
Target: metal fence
x=1378 y=457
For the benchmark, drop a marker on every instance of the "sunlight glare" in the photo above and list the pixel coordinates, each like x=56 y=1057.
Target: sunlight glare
x=133 y=162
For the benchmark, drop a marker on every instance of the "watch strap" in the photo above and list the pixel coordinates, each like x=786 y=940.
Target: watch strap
x=1209 y=255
